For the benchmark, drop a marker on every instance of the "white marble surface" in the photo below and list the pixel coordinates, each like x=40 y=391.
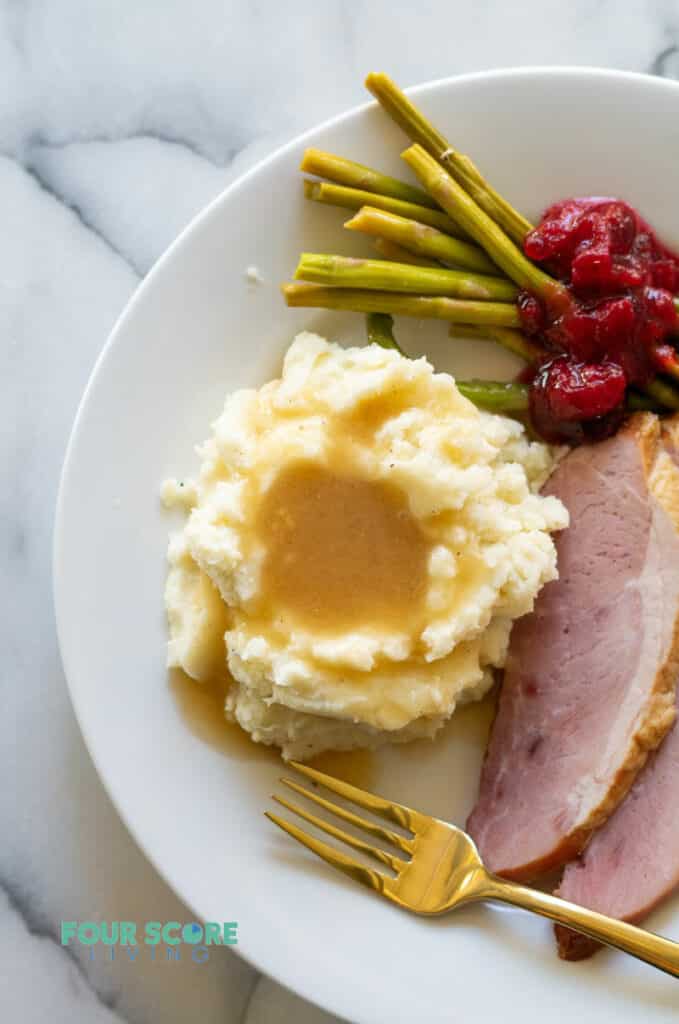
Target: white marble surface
x=118 y=121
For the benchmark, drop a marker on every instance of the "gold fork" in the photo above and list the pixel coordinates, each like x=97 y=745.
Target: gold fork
x=438 y=868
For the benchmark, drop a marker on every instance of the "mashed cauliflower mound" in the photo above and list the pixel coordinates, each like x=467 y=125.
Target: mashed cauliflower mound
x=467 y=484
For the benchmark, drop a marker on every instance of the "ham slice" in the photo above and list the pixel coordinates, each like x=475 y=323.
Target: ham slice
x=632 y=863
x=590 y=676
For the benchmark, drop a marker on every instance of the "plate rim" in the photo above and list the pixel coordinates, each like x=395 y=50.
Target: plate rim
x=264 y=965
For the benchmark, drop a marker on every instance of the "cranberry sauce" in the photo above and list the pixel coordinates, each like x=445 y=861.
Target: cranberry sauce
x=613 y=330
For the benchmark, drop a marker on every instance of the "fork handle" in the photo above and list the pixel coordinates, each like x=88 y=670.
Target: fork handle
x=659 y=952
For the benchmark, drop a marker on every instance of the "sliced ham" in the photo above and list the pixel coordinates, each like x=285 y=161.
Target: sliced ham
x=590 y=677
x=632 y=862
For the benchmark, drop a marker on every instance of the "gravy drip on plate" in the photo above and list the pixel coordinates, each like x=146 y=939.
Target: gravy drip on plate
x=201 y=707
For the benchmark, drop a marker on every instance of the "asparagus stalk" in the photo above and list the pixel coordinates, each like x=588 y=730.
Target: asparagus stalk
x=504 y=397
x=381 y=275
x=474 y=209
x=513 y=340
x=380 y=328
x=482 y=228
x=495 y=396
x=355 y=198
x=664 y=394
x=657 y=394
x=392 y=251
x=419 y=130
x=405 y=114
x=421 y=239
x=667 y=361
x=347 y=172
x=638 y=402
x=462 y=311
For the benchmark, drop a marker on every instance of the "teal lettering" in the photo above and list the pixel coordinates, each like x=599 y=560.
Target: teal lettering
x=230 y=929
x=152 y=933
x=213 y=934
x=67 y=932
x=110 y=932
x=168 y=937
x=192 y=934
x=88 y=933
x=128 y=933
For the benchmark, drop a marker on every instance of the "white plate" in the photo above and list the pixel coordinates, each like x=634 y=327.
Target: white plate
x=194 y=331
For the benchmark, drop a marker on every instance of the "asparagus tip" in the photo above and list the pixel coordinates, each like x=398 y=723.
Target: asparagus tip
x=374 y=77
x=380 y=330
x=415 y=149
x=312 y=189
x=305 y=159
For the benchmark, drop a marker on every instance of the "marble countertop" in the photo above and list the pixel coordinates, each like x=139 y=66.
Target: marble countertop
x=118 y=122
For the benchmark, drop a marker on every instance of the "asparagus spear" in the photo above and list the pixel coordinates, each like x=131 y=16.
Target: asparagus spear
x=495 y=396
x=513 y=340
x=355 y=198
x=667 y=361
x=664 y=394
x=348 y=272
x=657 y=395
x=380 y=328
x=503 y=397
x=421 y=238
x=480 y=199
x=347 y=172
x=482 y=228
x=392 y=251
x=461 y=311
x=637 y=402
x=394 y=101
x=419 y=129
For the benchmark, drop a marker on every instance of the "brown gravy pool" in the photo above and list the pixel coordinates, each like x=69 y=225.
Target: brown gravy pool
x=201 y=707
x=434 y=776
x=342 y=552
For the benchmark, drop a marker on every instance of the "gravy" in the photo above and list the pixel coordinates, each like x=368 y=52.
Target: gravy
x=341 y=552
x=201 y=707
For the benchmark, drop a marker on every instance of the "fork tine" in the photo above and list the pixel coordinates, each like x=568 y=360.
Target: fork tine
x=366 y=876
x=395 y=863
x=368 y=826
x=406 y=817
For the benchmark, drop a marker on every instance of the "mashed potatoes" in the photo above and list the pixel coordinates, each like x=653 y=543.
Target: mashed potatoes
x=361 y=540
